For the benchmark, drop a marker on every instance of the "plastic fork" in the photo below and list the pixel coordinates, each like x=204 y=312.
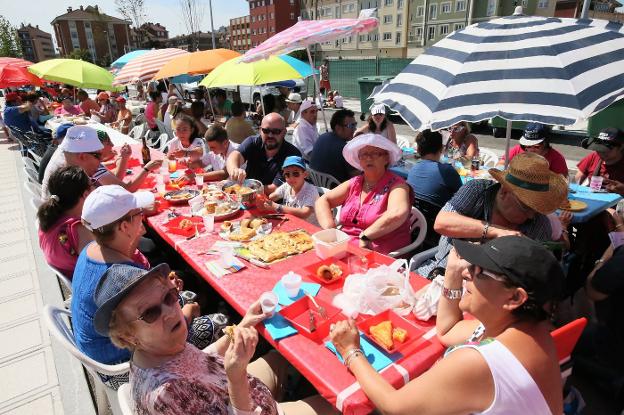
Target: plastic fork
x=321 y=310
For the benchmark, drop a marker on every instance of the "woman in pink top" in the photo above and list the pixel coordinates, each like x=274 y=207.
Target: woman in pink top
x=151 y=111
x=376 y=204
x=61 y=234
x=68 y=108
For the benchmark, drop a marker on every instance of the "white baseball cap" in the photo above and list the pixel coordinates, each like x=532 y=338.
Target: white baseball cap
x=378 y=109
x=106 y=204
x=294 y=98
x=307 y=104
x=81 y=139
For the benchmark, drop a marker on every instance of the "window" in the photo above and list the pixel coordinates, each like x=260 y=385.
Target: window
x=387 y=36
x=399 y=4
x=433 y=11
x=458 y=26
x=445 y=8
x=292 y=2
x=431 y=34
x=273 y=15
x=375 y=37
x=388 y=3
x=419 y=33
x=399 y=21
x=491 y=8
x=272 y=29
x=444 y=29
x=543 y=4
x=387 y=19
x=337 y=11
x=253 y=18
x=292 y=16
x=364 y=38
x=460 y=6
x=397 y=38
x=420 y=11
x=348 y=8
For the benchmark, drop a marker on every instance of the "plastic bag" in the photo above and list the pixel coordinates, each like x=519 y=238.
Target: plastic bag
x=379 y=289
x=426 y=305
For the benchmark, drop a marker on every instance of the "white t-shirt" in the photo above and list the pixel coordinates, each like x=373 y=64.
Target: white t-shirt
x=217 y=161
x=306 y=197
x=56 y=162
x=338 y=101
x=176 y=145
x=305 y=137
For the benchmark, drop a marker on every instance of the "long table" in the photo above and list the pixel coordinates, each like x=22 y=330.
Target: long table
x=116 y=136
x=313 y=360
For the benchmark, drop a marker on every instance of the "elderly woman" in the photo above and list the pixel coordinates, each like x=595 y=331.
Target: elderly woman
x=378 y=123
x=68 y=108
x=504 y=361
x=107 y=113
x=170 y=376
x=61 y=234
x=461 y=143
x=375 y=204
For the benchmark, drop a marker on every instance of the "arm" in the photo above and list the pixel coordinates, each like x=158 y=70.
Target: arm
x=362 y=130
x=232 y=165
x=473 y=148
x=213 y=176
x=456 y=225
x=327 y=202
x=134 y=184
x=391 y=132
x=592 y=293
x=395 y=215
x=122 y=165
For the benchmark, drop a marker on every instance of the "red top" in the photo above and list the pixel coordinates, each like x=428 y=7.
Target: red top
x=613 y=172
x=555 y=159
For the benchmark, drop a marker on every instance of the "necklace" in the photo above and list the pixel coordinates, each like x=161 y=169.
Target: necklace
x=368 y=186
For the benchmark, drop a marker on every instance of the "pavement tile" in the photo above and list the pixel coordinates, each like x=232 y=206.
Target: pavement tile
x=22 y=338
x=48 y=403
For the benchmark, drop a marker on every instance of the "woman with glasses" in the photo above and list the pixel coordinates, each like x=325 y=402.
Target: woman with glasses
x=461 y=143
x=502 y=362
x=378 y=123
x=107 y=113
x=375 y=205
x=188 y=142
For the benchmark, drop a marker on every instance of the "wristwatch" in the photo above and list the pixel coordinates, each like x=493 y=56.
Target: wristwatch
x=363 y=237
x=452 y=294
x=279 y=208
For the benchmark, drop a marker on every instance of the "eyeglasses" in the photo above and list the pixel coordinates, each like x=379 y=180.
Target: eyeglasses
x=97 y=155
x=524 y=208
x=154 y=312
x=293 y=174
x=371 y=154
x=272 y=131
x=478 y=272
x=130 y=216
x=351 y=125
x=456 y=128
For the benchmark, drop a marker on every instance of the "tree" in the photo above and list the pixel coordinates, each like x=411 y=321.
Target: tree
x=133 y=10
x=10 y=44
x=193 y=15
x=82 y=54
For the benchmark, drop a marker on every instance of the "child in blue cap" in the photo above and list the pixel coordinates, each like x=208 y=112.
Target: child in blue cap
x=296 y=195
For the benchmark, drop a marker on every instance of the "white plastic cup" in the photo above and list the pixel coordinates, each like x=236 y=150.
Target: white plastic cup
x=161 y=188
x=268 y=302
x=227 y=257
x=208 y=223
x=596 y=183
x=292 y=284
x=199 y=180
x=160 y=179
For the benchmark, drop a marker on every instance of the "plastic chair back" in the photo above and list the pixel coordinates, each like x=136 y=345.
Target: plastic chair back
x=418 y=224
x=323 y=179
x=137 y=132
x=33 y=188
x=489 y=158
x=565 y=339
x=126 y=404
x=403 y=142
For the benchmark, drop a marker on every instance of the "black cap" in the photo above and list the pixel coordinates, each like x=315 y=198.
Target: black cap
x=606 y=140
x=523 y=261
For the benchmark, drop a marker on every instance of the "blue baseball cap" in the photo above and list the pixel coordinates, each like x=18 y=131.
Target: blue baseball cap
x=62 y=130
x=294 y=161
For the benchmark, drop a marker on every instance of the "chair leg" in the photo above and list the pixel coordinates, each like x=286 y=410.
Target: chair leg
x=101 y=399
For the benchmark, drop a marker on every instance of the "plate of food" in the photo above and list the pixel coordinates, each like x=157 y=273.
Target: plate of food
x=245 y=230
x=185 y=226
x=245 y=192
x=279 y=245
x=328 y=271
x=180 y=196
x=574 y=205
x=390 y=331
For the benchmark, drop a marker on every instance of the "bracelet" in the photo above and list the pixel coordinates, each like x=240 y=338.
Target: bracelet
x=351 y=354
x=485 y=230
x=146 y=170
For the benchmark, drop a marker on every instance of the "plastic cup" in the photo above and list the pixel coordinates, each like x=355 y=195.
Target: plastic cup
x=596 y=183
x=161 y=188
x=292 y=284
x=208 y=223
x=268 y=302
x=173 y=165
x=199 y=180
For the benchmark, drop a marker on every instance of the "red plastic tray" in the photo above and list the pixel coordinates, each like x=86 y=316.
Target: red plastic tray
x=173 y=224
x=311 y=270
x=413 y=332
x=298 y=314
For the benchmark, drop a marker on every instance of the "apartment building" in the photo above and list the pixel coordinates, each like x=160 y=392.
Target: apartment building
x=268 y=17
x=36 y=44
x=240 y=34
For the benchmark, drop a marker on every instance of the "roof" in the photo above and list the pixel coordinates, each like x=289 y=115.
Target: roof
x=32 y=29
x=89 y=13
x=153 y=26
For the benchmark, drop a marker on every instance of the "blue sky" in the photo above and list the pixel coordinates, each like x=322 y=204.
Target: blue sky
x=164 y=11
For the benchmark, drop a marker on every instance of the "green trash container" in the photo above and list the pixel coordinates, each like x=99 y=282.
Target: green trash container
x=367 y=84
x=612 y=116
x=499 y=126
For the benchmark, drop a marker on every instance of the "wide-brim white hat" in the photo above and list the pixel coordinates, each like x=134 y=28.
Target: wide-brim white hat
x=106 y=204
x=353 y=147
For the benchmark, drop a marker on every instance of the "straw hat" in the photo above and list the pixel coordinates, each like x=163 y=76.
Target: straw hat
x=529 y=178
x=351 y=150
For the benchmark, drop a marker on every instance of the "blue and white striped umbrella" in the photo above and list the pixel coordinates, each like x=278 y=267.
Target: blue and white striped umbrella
x=541 y=69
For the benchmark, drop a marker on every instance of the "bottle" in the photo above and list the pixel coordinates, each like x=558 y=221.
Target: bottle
x=145 y=152
x=475 y=164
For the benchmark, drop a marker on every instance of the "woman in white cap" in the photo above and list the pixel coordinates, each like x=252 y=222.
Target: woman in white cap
x=461 y=143
x=375 y=204
x=378 y=123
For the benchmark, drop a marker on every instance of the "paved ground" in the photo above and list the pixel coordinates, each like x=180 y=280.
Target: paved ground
x=38 y=377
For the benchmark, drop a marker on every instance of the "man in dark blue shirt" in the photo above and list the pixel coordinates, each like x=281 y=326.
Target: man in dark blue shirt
x=327 y=152
x=264 y=154
x=15 y=113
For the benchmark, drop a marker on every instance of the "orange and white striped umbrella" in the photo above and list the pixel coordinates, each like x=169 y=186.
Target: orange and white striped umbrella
x=143 y=68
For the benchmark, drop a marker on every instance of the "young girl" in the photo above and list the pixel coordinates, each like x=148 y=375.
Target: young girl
x=297 y=195
x=187 y=142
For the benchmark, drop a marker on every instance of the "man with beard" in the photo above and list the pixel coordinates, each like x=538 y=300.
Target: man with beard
x=264 y=154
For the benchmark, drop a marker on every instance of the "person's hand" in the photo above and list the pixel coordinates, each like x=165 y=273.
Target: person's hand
x=345 y=336
x=363 y=244
x=240 y=351
x=125 y=151
x=455 y=265
x=613 y=186
x=238 y=175
x=565 y=218
x=253 y=316
x=191 y=310
x=153 y=165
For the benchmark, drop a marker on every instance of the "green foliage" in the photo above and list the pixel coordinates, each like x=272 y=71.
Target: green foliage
x=302 y=55
x=9 y=41
x=82 y=54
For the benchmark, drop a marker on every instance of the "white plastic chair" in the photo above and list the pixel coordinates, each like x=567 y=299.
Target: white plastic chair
x=60 y=329
x=417 y=221
x=164 y=142
x=489 y=158
x=323 y=179
x=137 y=132
x=33 y=188
x=126 y=404
x=403 y=142
x=35 y=202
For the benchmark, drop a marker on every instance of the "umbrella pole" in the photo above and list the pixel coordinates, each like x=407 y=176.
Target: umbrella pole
x=262 y=103
x=210 y=102
x=508 y=141
x=318 y=87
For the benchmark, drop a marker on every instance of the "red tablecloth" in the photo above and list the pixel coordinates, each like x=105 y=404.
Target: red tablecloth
x=333 y=381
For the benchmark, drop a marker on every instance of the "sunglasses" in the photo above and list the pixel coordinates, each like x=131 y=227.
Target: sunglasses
x=97 y=155
x=272 y=131
x=456 y=128
x=478 y=272
x=371 y=155
x=351 y=126
x=293 y=174
x=154 y=312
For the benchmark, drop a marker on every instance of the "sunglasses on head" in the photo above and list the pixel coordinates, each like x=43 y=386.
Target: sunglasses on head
x=456 y=128
x=271 y=131
x=153 y=313
x=478 y=272
x=293 y=174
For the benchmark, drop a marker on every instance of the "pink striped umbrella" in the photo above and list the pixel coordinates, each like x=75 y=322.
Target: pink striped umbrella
x=15 y=61
x=143 y=68
x=309 y=32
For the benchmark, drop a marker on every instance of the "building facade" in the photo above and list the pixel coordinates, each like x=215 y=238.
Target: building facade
x=151 y=35
x=36 y=44
x=240 y=34
x=200 y=40
x=268 y=17
x=105 y=37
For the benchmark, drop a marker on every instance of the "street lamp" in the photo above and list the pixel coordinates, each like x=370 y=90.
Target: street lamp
x=214 y=45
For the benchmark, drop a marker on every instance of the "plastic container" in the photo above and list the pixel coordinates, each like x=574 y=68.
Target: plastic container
x=331 y=243
x=268 y=302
